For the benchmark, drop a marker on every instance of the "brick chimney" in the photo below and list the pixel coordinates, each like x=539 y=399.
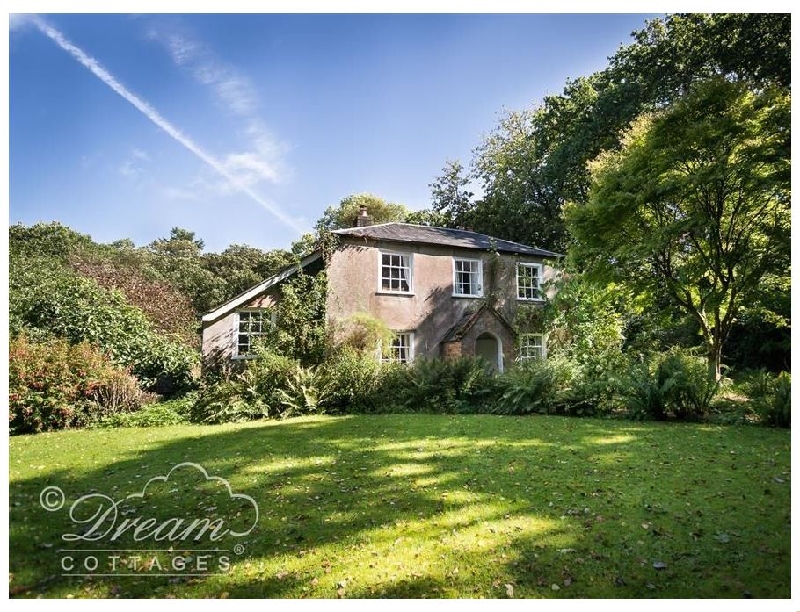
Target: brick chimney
x=363 y=219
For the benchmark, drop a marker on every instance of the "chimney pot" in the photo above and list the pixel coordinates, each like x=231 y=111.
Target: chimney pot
x=363 y=219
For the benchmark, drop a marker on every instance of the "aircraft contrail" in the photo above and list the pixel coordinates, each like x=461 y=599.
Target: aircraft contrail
x=153 y=115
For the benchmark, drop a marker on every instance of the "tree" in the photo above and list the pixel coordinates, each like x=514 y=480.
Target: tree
x=536 y=160
x=427 y=217
x=241 y=266
x=178 y=259
x=695 y=206
x=344 y=215
x=451 y=200
x=50 y=240
x=181 y=243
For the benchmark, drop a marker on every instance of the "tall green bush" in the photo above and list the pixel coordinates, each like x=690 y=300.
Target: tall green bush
x=354 y=381
x=771 y=397
x=465 y=384
x=56 y=302
x=267 y=386
x=675 y=383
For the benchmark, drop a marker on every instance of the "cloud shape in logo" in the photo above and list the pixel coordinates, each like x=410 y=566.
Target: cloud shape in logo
x=241 y=497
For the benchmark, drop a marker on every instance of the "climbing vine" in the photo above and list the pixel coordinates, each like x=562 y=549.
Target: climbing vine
x=494 y=264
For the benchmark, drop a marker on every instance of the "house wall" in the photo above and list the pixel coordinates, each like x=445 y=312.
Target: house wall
x=431 y=310
x=219 y=337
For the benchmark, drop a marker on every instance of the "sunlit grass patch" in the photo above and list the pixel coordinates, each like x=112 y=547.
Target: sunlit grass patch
x=438 y=506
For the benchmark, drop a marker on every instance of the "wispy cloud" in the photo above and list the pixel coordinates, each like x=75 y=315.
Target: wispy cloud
x=139 y=154
x=133 y=166
x=263 y=159
x=233 y=90
x=155 y=117
x=17 y=21
x=176 y=193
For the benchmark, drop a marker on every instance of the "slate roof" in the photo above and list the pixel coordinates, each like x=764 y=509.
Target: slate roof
x=421 y=234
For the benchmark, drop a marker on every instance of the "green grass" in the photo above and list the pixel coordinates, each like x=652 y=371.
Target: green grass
x=437 y=506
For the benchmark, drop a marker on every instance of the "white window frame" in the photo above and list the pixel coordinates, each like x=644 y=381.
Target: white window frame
x=267 y=326
x=524 y=347
x=410 y=267
x=478 y=274
x=539 y=275
x=391 y=358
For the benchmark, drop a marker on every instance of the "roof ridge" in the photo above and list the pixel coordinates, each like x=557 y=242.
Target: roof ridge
x=363 y=227
x=400 y=231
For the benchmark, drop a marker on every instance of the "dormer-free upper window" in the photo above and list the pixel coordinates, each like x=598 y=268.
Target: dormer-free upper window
x=396 y=272
x=529 y=281
x=467 y=277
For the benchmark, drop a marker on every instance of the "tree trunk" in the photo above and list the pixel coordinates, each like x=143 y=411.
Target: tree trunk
x=714 y=360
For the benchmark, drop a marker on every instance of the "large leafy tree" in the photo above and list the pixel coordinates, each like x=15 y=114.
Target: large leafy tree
x=178 y=259
x=344 y=214
x=535 y=160
x=695 y=206
x=241 y=266
x=451 y=197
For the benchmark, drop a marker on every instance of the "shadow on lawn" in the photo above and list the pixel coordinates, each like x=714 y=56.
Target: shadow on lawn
x=362 y=488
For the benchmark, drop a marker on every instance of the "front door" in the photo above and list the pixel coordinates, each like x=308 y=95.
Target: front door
x=488 y=347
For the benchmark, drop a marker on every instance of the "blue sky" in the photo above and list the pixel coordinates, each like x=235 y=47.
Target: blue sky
x=244 y=128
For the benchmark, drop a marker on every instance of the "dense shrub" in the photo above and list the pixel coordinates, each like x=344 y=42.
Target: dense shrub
x=268 y=386
x=644 y=396
x=559 y=385
x=349 y=381
x=362 y=333
x=533 y=387
x=55 y=301
x=442 y=385
x=169 y=310
x=56 y=385
x=675 y=383
x=353 y=381
x=302 y=392
x=585 y=341
x=771 y=398
x=688 y=388
x=301 y=332
x=160 y=414
x=596 y=385
x=227 y=400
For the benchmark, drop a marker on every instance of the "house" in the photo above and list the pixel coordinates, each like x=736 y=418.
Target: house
x=444 y=292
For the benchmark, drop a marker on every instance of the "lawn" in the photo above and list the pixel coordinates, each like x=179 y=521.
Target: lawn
x=421 y=506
